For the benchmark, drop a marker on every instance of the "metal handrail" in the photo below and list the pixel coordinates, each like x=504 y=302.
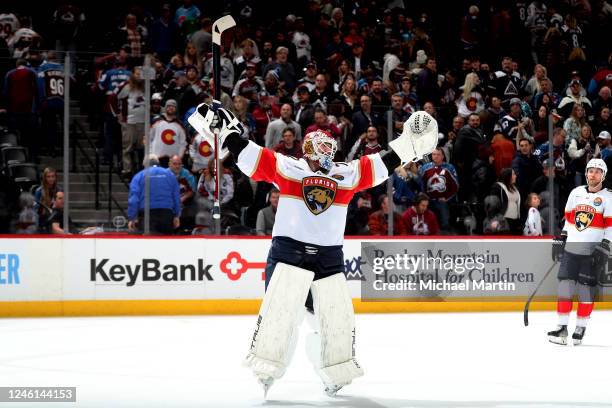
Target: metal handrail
x=95 y=165
x=111 y=198
x=76 y=125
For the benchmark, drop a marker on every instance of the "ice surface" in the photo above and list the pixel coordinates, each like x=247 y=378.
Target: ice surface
x=410 y=360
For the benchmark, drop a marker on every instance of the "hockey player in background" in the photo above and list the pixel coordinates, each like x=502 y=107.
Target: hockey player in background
x=584 y=249
x=305 y=264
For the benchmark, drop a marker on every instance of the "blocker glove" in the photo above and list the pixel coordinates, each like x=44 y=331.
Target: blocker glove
x=207 y=118
x=601 y=254
x=558 y=246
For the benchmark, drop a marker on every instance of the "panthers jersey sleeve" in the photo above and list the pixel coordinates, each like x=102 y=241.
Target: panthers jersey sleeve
x=258 y=163
x=368 y=171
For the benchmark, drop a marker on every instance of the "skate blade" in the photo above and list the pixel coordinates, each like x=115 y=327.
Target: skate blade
x=266 y=389
x=266 y=385
x=332 y=391
x=577 y=342
x=558 y=340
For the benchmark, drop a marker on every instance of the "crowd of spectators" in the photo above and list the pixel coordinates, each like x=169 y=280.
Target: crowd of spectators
x=494 y=74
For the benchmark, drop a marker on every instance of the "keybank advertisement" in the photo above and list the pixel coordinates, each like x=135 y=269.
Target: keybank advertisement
x=114 y=269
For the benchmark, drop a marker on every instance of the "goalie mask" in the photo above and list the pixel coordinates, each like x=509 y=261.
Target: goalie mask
x=320 y=147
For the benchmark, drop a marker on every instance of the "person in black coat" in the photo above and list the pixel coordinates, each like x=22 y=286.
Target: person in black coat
x=428 y=89
x=182 y=92
x=465 y=153
x=362 y=119
x=526 y=166
x=559 y=195
x=304 y=111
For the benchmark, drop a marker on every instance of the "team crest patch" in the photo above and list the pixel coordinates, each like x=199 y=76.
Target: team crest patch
x=205 y=149
x=584 y=217
x=338 y=177
x=472 y=104
x=597 y=201
x=167 y=136
x=318 y=193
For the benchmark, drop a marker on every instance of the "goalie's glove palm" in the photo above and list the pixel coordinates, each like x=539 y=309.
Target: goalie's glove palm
x=208 y=118
x=419 y=137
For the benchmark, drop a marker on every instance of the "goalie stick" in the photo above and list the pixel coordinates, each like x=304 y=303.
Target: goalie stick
x=219 y=26
x=530 y=298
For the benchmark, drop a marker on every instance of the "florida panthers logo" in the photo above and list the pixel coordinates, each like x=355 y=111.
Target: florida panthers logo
x=583 y=217
x=318 y=193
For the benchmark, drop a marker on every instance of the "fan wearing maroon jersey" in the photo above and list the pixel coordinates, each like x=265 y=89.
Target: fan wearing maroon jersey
x=19 y=99
x=440 y=182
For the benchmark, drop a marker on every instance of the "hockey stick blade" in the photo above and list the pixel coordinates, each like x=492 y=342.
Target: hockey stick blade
x=526 y=309
x=220 y=25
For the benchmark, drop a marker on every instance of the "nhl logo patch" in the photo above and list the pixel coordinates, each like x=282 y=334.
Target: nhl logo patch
x=318 y=193
x=583 y=217
x=597 y=201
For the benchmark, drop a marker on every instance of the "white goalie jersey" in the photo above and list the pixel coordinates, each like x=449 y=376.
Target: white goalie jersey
x=588 y=219
x=313 y=205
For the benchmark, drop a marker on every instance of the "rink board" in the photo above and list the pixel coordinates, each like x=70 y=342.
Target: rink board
x=79 y=276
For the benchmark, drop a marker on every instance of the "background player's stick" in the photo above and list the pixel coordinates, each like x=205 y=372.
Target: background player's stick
x=219 y=26
x=526 y=310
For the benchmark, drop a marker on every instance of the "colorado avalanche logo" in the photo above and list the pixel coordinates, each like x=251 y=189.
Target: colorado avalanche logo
x=583 y=217
x=436 y=183
x=318 y=193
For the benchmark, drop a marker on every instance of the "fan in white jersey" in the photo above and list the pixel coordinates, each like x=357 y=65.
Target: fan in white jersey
x=8 y=25
x=168 y=136
x=306 y=251
x=584 y=249
x=24 y=38
x=533 y=224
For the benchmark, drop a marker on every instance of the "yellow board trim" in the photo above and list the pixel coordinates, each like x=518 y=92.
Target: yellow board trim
x=242 y=306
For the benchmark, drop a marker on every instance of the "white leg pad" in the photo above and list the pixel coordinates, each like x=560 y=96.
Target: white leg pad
x=341 y=374
x=281 y=311
x=332 y=303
